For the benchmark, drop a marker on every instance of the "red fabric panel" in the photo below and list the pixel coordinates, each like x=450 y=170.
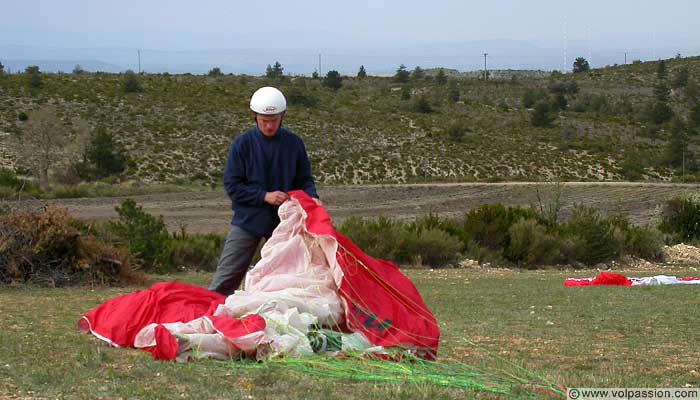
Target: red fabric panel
x=382 y=303
x=121 y=318
x=233 y=328
x=603 y=278
x=689 y=278
x=166 y=345
x=573 y=282
x=608 y=278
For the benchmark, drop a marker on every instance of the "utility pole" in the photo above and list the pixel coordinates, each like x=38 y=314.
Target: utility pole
x=486 y=73
x=625 y=58
x=319 y=65
x=139 y=61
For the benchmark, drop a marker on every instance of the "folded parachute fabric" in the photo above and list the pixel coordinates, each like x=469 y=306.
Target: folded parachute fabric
x=611 y=279
x=312 y=290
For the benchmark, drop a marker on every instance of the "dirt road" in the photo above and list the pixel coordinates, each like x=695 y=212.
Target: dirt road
x=210 y=211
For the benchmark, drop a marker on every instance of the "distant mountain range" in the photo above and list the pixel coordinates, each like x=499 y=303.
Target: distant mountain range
x=378 y=60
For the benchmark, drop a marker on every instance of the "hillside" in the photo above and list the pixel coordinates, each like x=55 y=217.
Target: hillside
x=178 y=129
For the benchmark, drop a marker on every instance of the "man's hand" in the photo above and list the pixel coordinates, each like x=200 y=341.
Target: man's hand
x=275 y=198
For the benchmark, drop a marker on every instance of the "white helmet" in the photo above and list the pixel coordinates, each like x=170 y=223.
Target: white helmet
x=268 y=101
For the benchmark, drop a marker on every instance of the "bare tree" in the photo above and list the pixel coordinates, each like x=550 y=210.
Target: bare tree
x=43 y=141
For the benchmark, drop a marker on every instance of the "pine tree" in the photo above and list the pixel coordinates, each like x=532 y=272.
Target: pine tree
x=402 y=74
x=333 y=80
x=103 y=155
x=661 y=72
x=677 y=147
x=581 y=65
x=362 y=74
x=35 y=80
x=418 y=74
x=680 y=78
x=441 y=78
x=541 y=116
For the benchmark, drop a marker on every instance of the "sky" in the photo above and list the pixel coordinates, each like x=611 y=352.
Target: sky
x=359 y=27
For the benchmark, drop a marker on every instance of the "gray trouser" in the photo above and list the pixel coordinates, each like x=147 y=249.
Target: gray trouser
x=235 y=259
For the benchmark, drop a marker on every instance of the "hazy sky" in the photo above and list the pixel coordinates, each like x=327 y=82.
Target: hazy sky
x=208 y=24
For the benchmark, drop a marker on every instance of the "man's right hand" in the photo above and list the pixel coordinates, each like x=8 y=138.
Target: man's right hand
x=275 y=198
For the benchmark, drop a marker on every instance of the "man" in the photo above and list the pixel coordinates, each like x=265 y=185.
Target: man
x=263 y=164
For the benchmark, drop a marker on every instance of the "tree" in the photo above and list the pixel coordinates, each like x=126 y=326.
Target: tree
x=694 y=115
x=131 y=82
x=216 y=71
x=102 y=153
x=677 y=148
x=661 y=72
x=581 y=65
x=680 y=78
x=78 y=70
x=275 y=71
x=333 y=80
x=362 y=74
x=541 y=116
x=662 y=92
x=441 y=78
x=2 y=69
x=422 y=105
x=42 y=142
x=402 y=74
x=418 y=74
x=34 y=74
x=314 y=75
x=453 y=92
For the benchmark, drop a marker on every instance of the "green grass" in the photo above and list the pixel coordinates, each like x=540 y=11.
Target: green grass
x=585 y=337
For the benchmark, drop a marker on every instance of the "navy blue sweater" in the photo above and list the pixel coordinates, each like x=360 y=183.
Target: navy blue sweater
x=258 y=164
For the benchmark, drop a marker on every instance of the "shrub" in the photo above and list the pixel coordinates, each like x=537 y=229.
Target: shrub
x=434 y=247
x=131 y=82
x=422 y=105
x=680 y=218
x=530 y=244
x=144 y=235
x=592 y=236
x=531 y=97
x=22 y=116
x=8 y=178
x=378 y=238
x=644 y=242
x=295 y=96
x=194 y=251
x=50 y=248
x=333 y=80
x=541 y=116
x=488 y=225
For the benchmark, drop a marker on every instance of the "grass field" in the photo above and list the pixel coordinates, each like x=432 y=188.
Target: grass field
x=576 y=337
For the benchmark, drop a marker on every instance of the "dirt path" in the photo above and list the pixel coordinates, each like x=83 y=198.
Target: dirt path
x=210 y=211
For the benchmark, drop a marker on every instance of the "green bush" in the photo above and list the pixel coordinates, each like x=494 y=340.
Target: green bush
x=433 y=247
x=8 y=178
x=144 y=235
x=489 y=224
x=644 y=242
x=379 y=238
x=680 y=218
x=531 y=245
x=592 y=235
x=194 y=251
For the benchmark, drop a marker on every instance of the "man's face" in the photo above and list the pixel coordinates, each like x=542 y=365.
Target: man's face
x=268 y=124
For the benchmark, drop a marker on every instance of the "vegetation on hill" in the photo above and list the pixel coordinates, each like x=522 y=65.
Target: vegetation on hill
x=616 y=123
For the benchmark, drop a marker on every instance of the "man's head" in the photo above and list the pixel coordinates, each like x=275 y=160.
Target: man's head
x=268 y=105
